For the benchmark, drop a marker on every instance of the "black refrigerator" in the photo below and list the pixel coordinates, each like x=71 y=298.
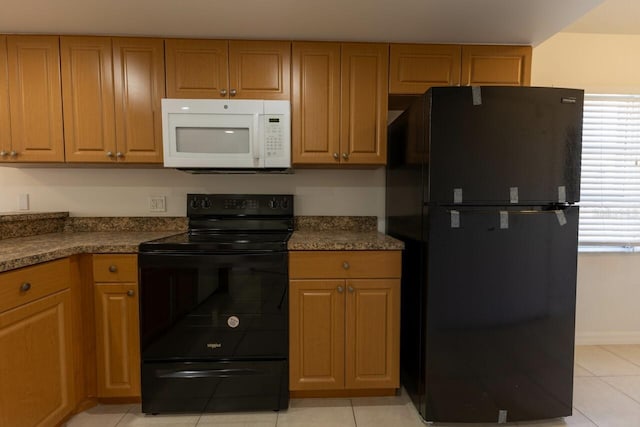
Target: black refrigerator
x=482 y=185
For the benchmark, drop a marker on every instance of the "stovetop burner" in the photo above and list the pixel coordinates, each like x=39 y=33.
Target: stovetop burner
x=224 y=223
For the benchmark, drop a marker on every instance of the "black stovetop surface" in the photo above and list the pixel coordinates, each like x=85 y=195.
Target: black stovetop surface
x=218 y=242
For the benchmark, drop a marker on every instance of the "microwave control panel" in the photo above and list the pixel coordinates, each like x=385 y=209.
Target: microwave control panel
x=274 y=135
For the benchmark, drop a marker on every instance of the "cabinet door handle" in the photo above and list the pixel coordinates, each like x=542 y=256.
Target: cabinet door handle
x=350 y=289
x=345 y=156
x=130 y=293
x=113 y=268
x=25 y=287
x=3 y=153
x=223 y=92
x=345 y=265
x=336 y=156
x=119 y=155
x=13 y=153
x=109 y=154
x=340 y=289
x=232 y=92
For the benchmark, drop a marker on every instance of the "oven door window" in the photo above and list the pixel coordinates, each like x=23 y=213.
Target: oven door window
x=213 y=306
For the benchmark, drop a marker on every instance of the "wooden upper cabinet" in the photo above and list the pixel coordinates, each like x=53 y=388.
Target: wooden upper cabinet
x=364 y=75
x=197 y=68
x=496 y=65
x=5 y=118
x=414 y=68
x=315 y=103
x=139 y=80
x=217 y=69
x=259 y=69
x=35 y=99
x=87 y=92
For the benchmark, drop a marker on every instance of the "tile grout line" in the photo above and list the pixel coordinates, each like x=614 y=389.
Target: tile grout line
x=582 y=367
x=353 y=413
x=621 y=391
x=585 y=415
x=616 y=354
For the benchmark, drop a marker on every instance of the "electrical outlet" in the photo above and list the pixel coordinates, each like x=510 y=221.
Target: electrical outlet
x=23 y=202
x=157 y=204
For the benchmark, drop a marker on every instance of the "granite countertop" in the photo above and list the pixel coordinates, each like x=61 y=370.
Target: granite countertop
x=342 y=240
x=25 y=251
x=40 y=237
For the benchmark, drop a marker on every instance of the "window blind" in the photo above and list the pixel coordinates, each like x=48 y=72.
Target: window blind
x=610 y=179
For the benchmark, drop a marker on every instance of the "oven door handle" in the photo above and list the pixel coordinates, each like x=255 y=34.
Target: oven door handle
x=204 y=373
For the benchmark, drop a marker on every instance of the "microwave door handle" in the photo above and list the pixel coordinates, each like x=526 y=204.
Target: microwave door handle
x=259 y=125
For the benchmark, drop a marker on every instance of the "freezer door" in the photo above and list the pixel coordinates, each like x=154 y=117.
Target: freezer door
x=500 y=314
x=505 y=145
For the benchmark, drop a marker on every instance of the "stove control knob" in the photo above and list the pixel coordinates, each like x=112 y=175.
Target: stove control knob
x=273 y=204
x=205 y=204
x=284 y=203
x=194 y=204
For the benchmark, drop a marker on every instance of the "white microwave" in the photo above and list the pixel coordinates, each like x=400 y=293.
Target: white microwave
x=226 y=134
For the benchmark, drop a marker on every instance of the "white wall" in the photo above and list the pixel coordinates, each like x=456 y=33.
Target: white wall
x=608 y=283
x=125 y=192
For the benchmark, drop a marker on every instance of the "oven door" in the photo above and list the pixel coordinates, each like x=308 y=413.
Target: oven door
x=231 y=306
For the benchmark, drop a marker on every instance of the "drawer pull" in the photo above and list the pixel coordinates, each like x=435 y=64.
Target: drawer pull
x=130 y=293
x=340 y=289
x=350 y=289
x=25 y=287
x=113 y=268
x=345 y=265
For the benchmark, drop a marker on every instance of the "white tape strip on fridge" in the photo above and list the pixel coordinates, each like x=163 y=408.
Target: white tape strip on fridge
x=455 y=219
x=457 y=195
x=562 y=219
x=513 y=194
x=476 y=93
x=504 y=220
x=562 y=194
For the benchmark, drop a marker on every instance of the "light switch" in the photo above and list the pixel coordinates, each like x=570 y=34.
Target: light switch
x=23 y=202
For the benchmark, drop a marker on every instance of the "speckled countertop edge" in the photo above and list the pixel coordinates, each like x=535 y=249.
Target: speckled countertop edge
x=342 y=241
x=30 y=216
x=25 y=251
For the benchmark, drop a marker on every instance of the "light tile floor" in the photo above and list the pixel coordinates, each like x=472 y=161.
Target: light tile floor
x=606 y=394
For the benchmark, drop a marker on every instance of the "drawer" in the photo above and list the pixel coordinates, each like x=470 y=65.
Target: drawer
x=344 y=264
x=115 y=268
x=27 y=284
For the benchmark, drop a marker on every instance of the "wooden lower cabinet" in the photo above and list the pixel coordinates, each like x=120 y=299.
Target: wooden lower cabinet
x=344 y=332
x=36 y=355
x=117 y=328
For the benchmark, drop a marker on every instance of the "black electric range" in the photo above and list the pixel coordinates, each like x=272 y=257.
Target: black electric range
x=214 y=308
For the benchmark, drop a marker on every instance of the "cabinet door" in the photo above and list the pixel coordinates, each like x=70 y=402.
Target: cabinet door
x=364 y=75
x=259 y=69
x=36 y=363
x=87 y=92
x=316 y=103
x=414 y=68
x=496 y=65
x=5 y=118
x=372 y=333
x=117 y=339
x=35 y=98
x=197 y=68
x=316 y=341
x=138 y=65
